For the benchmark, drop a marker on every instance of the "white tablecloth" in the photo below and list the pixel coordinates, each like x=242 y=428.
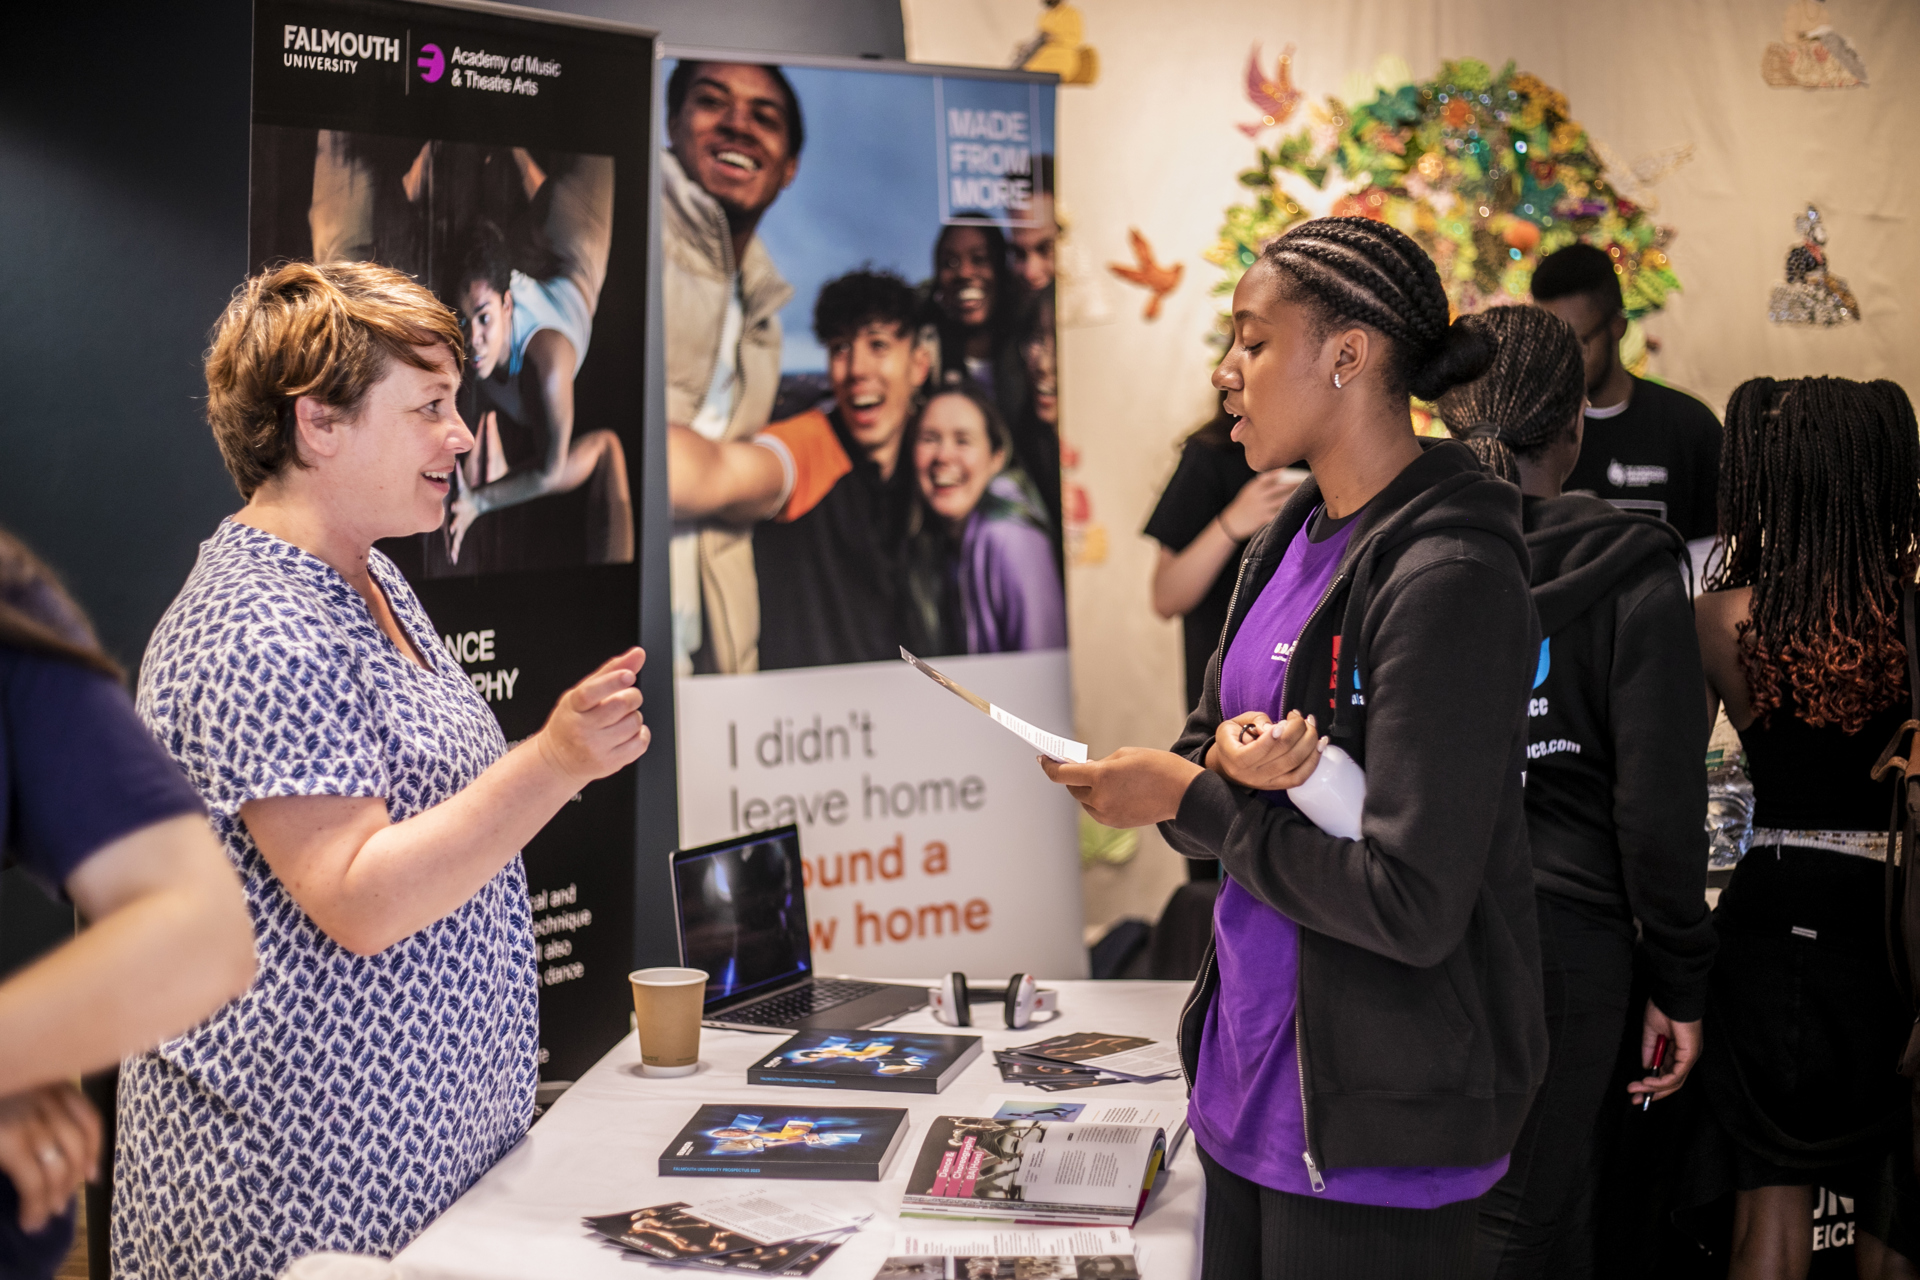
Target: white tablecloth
x=597 y=1151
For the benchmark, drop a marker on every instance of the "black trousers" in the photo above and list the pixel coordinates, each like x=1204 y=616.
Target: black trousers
x=1253 y=1232
x=1537 y=1220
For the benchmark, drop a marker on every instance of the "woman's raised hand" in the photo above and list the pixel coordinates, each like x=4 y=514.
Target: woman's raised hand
x=1264 y=754
x=596 y=727
x=1258 y=501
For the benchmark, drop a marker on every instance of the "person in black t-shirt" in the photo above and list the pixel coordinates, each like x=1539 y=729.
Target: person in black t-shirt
x=1648 y=447
x=832 y=561
x=1213 y=504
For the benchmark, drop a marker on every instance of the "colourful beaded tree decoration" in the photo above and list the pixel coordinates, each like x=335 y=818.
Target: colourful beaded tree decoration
x=1486 y=171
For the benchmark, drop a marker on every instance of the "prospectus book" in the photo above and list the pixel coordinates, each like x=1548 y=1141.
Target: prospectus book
x=845 y=1144
x=894 y=1061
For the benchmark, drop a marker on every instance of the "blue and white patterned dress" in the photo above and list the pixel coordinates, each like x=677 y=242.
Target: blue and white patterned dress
x=344 y=1101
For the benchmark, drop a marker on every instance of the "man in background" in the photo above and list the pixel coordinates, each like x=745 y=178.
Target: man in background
x=1648 y=448
x=735 y=134
x=1033 y=251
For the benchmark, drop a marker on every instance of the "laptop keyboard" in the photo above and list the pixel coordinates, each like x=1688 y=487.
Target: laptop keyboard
x=787 y=1008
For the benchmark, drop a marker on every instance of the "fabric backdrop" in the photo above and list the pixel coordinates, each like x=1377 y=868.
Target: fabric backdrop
x=1152 y=145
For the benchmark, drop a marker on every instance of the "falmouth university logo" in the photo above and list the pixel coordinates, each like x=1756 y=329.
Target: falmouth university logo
x=433 y=63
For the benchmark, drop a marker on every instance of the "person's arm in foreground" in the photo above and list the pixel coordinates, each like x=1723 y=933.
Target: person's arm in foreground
x=1659 y=811
x=369 y=882
x=168 y=943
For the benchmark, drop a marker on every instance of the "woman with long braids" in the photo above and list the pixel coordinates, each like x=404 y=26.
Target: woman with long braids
x=1367 y=1033
x=1616 y=787
x=1800 y=634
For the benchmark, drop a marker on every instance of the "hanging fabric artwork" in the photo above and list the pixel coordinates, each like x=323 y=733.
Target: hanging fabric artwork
x=1812 y=293
x=1812 y=55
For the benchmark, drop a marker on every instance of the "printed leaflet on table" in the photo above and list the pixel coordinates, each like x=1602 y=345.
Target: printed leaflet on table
x=1052 y=1077
x=1023 y=1266
x=1134 y=1057
x=674 y=1235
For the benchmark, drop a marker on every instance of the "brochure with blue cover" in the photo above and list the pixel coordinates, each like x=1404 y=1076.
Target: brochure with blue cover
x=894 y=1061
x=847 y=1144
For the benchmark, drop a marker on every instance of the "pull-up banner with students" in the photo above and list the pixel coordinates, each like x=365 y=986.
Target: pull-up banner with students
x=504 y=159
x=863 y=455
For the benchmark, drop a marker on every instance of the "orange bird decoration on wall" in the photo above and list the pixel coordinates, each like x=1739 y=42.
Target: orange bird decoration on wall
x=1274 y=98
x=1147 y=273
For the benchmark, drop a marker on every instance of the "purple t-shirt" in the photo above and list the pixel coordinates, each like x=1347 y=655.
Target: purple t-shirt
x=1247 y=1094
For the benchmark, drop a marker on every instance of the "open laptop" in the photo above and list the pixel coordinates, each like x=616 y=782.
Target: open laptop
x=742 y=916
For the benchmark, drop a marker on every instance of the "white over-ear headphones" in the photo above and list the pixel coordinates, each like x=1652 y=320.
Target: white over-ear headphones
x=1020 y=1000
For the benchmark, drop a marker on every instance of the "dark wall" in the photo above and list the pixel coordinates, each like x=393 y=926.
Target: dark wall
x=123 y=230
x=123 y=216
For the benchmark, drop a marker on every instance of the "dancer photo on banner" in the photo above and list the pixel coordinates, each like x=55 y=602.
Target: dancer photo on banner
x=517 y=243
x=504 y=162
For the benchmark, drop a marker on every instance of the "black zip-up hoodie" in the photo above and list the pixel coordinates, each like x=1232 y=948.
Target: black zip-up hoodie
x=1422 y=1033
x=1617 y=776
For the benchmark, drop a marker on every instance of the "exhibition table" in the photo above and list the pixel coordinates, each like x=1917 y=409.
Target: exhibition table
x=597 y=1151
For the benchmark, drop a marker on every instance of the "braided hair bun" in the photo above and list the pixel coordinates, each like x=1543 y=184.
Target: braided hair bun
x=1356 y=270
x=1528 y=396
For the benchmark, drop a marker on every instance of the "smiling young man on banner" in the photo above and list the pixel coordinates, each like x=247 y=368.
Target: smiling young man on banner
x=831 y=590
x=735 y=132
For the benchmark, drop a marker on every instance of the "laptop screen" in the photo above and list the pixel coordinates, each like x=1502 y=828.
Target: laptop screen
x=743 y=913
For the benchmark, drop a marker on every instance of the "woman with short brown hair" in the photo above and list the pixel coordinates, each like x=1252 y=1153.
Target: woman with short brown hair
x=386 y=1055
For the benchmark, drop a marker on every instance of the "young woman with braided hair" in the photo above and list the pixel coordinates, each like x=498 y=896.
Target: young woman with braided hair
x=1367 y=1032
x=1800 y=634
x=1616 y=787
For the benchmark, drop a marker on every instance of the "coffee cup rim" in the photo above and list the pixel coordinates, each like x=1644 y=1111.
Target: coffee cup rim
x=658 y=976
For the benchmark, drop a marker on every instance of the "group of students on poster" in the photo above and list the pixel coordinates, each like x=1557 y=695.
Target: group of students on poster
x=914 y=499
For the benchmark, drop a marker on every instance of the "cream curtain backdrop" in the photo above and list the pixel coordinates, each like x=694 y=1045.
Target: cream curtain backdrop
x=1152 y=145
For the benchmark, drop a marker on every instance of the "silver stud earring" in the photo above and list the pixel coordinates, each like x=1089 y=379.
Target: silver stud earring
x=1336 y=382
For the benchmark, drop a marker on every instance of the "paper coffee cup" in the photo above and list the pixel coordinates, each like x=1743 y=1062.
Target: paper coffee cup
x=666 y=1010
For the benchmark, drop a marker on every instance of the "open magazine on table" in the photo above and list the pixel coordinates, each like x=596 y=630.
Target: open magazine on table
x=1035 y=1171
x=1166 y=1114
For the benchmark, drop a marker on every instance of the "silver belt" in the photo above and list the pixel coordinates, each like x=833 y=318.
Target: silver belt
x=1856 y=844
